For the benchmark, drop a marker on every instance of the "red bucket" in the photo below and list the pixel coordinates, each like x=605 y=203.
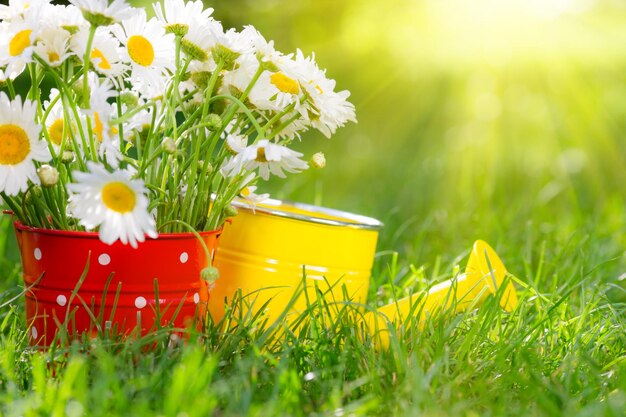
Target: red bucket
x=78 y=283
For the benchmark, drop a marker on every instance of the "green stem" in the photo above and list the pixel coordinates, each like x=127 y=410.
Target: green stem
x=278 y=116
x=244 y=108
x=14 y=207
x=86 y=62
x=120 y=127
x=190 y=202
x=10 y=88
x=195 y=233
x=129 y=114
x=145 y=163
x=284 y=125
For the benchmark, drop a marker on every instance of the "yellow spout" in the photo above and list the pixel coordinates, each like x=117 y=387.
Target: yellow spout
x=483 y=276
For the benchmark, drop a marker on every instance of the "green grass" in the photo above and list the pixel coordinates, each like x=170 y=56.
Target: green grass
x=528 y=154
x=560 y=352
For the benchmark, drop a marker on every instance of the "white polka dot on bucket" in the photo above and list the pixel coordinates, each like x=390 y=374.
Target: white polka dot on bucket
x=33 y=332
x=140 y=302
x=196 y=298
x=184 y=257
x=37 y=253
x=61 y=300
x=104 y=259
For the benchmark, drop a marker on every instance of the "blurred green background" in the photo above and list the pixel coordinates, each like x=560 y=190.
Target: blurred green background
x=501 y=120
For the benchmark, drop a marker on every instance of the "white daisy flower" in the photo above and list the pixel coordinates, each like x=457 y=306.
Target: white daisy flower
x=105 y=52
x=239 y=78
x=53 y=46
x=251 y=198
x=153 y=87
x=104 y=12
x=274 y=90
x=67 y=17
x=17 y=8
x=248 y=192
x=55 y=120
x=230 y=45
x=139 y=124
x=146 y=47
x=200 y=38
x=17 y=40
x=178 y=16
x=100 y=91
x=100 y=115
x=112 y=202
x=104 y=134
x=295 y=127
x=263 y=49
x=329 y=110
x=268 y=157
x=200 y=72
x=277 y=91
x=19 y=145
x=236 y=143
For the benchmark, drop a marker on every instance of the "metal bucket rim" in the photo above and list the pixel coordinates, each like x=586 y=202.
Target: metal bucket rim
x=355 y=221
x=95 y=235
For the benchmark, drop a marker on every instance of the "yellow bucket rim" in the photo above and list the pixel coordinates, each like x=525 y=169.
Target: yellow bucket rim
x=318 y=214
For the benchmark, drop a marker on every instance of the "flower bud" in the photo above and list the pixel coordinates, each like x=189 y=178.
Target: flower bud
x=230 y=211
x=267 y=65
x=81 y=92
x=129 y=98
x=67 y=157
x=318 y=160
x=210 y=274
x=201 y=79
x=169 y=146
x=214 y=122
x=226 y=55
x=97 y=19
x=204 y=167
x=178 y=29
x=33 y=192
x=72 y=29
x=49 y=176
x=193 y=51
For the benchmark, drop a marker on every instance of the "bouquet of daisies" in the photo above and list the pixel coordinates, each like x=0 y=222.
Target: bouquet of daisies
x=148 y=124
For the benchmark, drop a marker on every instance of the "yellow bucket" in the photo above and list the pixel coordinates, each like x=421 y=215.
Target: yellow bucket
x=267 y=251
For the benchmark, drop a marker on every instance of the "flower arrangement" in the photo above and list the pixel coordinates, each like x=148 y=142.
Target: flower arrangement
x=151 y=124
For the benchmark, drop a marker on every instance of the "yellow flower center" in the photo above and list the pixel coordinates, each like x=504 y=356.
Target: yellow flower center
x=260 y=155
x=14 y=145
x=98 y=128
x=284 y=83
x=140 y=50
x=53 y=57
x=246 y=192
x=56 y=132
x=104 y=63
x=118 y=197
x=20 y=42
